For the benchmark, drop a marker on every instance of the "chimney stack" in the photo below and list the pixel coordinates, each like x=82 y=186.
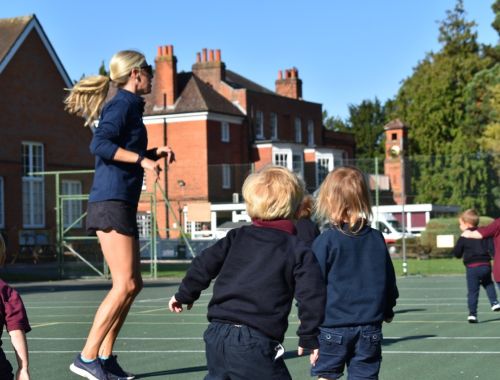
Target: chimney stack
x=211 y=70
x=165 y=79
x=291 y=85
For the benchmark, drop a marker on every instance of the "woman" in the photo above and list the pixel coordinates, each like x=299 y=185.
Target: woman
x=119 y=145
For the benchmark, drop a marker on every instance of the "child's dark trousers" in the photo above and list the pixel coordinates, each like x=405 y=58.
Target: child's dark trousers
x=239 y=352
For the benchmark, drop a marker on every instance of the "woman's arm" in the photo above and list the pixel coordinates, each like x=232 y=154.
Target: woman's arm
x=18 y=339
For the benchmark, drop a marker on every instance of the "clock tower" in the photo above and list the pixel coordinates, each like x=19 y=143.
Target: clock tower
x=396 y=163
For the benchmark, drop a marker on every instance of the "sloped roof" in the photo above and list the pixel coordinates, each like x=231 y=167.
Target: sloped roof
x=195 y=96
x=236 y=80
x=13 y=32
x=10 y=30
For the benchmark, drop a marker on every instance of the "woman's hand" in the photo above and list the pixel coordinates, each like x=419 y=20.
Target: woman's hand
x=166 y=151
x=153 y=166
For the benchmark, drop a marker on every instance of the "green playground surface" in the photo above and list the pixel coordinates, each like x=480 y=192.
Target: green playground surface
x=428 y=339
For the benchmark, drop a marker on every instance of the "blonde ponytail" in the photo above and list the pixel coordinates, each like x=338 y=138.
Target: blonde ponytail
x=87 y=96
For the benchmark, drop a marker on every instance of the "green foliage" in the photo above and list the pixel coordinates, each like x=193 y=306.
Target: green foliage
x=334 y=123
x=102 y=69
x=443 y=141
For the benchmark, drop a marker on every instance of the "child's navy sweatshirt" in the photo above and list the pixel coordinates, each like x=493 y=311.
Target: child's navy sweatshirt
x=259 y=271
x=360 y=278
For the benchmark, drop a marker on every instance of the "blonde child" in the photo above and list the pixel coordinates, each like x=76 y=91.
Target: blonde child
x=476 y=256
x=260 y=269
x=360 y=279
x=13 y=317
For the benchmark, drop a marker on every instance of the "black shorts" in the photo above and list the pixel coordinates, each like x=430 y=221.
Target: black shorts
x=106 y=216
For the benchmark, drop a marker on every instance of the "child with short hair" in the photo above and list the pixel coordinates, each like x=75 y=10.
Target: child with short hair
x=476 y=256
x=360 y=279
x=13 y=316
x=260 y=269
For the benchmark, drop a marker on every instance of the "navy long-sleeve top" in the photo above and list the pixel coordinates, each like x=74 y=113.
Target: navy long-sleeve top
x=474 y=251
x=259 y=271
x=120 y=126
x=360 y=279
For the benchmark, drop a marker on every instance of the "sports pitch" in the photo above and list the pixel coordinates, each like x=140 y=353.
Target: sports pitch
x=428 y=339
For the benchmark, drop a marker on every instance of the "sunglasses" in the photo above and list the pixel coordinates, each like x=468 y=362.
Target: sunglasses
x=147 y=68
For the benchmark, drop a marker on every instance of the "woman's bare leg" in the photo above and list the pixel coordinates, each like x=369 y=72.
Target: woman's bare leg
x=107 y=345
x=121 y=256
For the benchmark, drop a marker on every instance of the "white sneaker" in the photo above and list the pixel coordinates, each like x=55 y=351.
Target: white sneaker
x=495 y=307
x=472 y=319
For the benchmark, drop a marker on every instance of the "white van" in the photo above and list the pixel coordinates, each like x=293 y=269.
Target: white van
x=390 y=227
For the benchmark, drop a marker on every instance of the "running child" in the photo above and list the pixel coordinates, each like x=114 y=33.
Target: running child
x=476 y=256
x=360 y=279
x=260 y=269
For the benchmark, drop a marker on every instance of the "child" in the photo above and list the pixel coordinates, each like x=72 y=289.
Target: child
x=307 y=230
x=259 y=270
x=491 y=231
x=13 y=316
x=360 y=279
x=476 y=257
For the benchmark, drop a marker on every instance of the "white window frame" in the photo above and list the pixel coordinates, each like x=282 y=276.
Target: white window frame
x=226 y=176
x=33 y=185
x=259 y=125
x=273 y=121
x=224 y=132
x=287 y=157
x=72 y=208
x=2 y=204
x=144 y=224
x=332 y=158
x=310 y=133
x=298 y=130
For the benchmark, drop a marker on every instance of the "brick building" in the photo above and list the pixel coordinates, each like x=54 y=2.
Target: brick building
x=222 y=125
x=36 y=134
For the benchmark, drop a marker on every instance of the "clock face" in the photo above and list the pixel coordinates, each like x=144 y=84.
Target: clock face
x=394 y=151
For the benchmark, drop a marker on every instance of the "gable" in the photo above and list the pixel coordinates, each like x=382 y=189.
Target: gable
x=13 y=33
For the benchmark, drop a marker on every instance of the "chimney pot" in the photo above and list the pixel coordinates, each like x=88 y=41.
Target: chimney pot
x=218 y=55
x=171 y=50
x=204 y=55
x=159 y=51
x=198 y=57
x=280 y=74
x=211 y=56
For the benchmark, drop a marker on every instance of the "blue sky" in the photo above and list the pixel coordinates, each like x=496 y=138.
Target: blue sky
x=346 y=50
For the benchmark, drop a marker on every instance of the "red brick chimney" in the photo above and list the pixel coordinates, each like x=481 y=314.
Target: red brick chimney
x=165 y=80
x=209 y=67
x=290 y=85
x=396 y=167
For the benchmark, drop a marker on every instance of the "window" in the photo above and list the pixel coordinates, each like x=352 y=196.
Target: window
x=224 y=132
x=144 y=224
x=2 y=205
x=226 y=176
x=273 y=121
x=72 y=208
x=326 y=162
x=310 y=133
x=33 y=186
x=298 y=130
x=298 y=164
x=290 y=159
x=259 y=125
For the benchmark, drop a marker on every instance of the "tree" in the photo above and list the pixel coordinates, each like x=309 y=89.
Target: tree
x=444 y=146
x=102 y=69
x=334 y=123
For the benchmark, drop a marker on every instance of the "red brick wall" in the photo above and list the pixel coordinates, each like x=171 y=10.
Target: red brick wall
x=31 y=109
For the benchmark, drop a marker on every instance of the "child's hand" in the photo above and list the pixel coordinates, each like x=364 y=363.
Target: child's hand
x=313 y=356
x=22 y=374
x=176 y=307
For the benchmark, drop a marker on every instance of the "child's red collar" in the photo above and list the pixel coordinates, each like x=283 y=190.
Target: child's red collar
x=278 y=224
